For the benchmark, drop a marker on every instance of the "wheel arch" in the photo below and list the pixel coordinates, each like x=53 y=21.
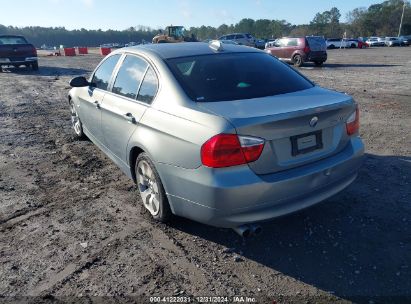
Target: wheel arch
x=132 y=158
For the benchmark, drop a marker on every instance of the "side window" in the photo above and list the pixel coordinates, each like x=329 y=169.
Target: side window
x=149 y=87
x=282 y=42
x=230 y=37
x=239 y=36
x=102 y=76
x=130 y=76
x=292 y=42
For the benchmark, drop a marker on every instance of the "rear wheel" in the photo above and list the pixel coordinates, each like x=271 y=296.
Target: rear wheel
x=298 y=60
x=35 y=66
x=151 y=189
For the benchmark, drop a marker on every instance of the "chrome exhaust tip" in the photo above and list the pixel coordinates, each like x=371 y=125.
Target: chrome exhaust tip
x=256 y=229
x=244 y=231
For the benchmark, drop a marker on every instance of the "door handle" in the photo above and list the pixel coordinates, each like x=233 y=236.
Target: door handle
x=97 y=104
x=130 y=118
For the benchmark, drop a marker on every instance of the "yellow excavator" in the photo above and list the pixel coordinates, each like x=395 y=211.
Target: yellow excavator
x=173 y=34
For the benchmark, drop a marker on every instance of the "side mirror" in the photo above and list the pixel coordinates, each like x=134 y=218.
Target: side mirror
x=78 y=82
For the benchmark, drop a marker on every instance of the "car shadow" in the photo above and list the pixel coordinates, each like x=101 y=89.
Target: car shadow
x=356 y=245
x=46 y=71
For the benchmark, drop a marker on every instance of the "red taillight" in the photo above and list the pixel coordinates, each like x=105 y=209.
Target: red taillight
x=227 y=150
x=307 y=49
x=353 y=122
x=34 y=51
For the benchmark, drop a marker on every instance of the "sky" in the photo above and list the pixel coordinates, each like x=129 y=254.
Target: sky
x=121 y=14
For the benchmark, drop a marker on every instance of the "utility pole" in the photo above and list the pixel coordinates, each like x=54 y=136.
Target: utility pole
x=402 y=17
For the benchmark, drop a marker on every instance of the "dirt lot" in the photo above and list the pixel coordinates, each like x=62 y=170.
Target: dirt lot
x=73 y=226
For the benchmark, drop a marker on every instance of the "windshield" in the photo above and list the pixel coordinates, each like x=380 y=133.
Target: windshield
x=223 y=77
x=12 y=40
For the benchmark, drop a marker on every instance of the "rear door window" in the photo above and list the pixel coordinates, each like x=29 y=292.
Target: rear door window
x=149 y=87
x=103 y=73
x=281 y=42
x=129 y=76
x=292 y=42
x=235 y=76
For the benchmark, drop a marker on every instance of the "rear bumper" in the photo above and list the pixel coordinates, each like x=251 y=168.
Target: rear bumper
x=234 y=196
x=312 y=57
x=20 y=60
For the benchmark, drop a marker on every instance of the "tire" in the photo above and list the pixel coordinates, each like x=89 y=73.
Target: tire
x=298 y=60
x=332 y=46
x=318 y=63
x=35 y=66
x=76 y=122
x=353 y=46
x=151 y=189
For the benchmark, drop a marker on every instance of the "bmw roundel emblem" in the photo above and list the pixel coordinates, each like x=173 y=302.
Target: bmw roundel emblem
x=313 y=121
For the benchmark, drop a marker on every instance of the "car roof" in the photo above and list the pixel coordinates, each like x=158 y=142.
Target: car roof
x=185 y=49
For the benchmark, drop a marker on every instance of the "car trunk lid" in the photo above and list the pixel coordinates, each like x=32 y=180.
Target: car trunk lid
x=17 y=51
x=299 y=127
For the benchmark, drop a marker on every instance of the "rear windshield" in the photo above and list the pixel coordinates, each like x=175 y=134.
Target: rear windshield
x=317 y=43
x=12 y=40
x=224 y=77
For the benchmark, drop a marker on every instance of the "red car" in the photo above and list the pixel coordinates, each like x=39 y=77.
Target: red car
x=358 y=43
x=300 y=50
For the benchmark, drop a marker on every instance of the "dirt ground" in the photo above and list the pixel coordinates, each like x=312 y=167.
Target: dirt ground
x=73 y=228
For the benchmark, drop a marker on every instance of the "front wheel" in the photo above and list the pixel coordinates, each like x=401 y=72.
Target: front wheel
x=298 y=60
x=151 y=189
x=76 y=122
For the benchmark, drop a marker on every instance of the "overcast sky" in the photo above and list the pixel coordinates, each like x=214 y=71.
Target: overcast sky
x=121 y=14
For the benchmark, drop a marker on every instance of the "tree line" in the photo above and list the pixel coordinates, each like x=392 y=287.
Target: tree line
x=381 y=19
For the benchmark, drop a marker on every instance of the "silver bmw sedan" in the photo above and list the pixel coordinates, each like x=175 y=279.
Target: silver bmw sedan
x=221 y=134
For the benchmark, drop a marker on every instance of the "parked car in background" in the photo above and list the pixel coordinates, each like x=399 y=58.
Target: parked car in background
x=240 y=38
x=392 y=41
x=355 y=43
x=300 y=50
x=361 y=44
x=222 y=134
x=269 y=42
x=405 y=40
x=260 y=44
x=375 y=41
x=16 y=51
x=336 y=43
